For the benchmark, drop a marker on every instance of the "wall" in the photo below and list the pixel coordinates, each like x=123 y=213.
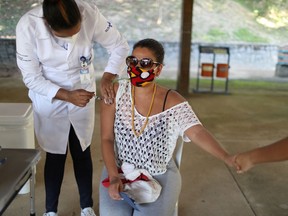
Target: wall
x=246 y=60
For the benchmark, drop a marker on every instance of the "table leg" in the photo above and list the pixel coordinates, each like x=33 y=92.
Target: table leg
x=32 y=192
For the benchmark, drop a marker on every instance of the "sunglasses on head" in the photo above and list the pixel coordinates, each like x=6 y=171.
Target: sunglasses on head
x=145 y=63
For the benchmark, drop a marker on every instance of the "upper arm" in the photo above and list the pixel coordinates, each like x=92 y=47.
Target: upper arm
x=107 y=35
x=107 y=118
x=107 y=113
x=193 y=131
x=29 y=57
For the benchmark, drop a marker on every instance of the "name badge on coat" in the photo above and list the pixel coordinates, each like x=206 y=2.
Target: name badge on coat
x=85 y=76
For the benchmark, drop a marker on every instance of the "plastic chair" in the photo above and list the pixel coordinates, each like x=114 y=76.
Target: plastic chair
x=177 y=158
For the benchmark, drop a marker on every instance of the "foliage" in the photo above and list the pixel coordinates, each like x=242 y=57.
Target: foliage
x=245 y=35
x=162 y=19
x=272 y=13
x=215 y=35
x=263 y=6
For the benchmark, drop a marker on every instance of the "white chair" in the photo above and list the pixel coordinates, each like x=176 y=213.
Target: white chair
x=177 y=158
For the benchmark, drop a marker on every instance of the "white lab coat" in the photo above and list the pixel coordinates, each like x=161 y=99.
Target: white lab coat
x=46 y=67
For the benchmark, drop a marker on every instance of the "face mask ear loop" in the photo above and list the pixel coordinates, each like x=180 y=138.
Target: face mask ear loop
x=157 y=75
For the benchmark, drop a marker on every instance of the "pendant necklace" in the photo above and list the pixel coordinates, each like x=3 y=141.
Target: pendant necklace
x=148 y=114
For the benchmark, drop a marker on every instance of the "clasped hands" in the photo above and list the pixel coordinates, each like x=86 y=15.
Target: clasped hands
x=241 y=162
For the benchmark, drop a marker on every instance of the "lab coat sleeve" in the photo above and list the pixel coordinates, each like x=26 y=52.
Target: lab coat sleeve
x=116 y=45
x=28 y=62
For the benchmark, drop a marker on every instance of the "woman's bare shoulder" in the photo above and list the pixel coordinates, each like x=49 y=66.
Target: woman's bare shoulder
x=176 y=97
x=173 y=98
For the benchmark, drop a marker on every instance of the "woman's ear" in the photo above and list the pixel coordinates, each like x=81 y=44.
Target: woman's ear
x=159 y=70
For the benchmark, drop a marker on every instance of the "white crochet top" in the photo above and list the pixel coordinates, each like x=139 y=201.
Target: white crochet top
x=153 y=149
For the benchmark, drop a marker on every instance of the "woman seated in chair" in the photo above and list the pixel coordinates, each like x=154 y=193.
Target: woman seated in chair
x=141 y=128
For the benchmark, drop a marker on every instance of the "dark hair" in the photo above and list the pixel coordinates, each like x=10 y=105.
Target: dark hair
x=153 y=45
x=61 y=14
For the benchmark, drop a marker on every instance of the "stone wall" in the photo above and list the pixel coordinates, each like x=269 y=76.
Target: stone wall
x=8 y=65
x=246 y=60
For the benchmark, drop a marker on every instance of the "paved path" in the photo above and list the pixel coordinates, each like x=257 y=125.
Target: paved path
x=240 y=121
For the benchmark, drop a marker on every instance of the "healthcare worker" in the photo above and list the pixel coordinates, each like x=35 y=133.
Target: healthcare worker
x=55 y=54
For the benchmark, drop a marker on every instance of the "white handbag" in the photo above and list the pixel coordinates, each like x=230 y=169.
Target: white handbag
x=141 y=191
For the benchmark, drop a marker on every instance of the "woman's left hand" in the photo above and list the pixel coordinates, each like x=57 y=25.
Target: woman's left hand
x=243 y=162
x=230 y=161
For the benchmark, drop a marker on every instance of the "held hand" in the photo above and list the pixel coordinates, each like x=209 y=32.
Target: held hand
x=106 y=88
x=79 y=97
x=230 y=161
x=243 y=162
x=115 y=187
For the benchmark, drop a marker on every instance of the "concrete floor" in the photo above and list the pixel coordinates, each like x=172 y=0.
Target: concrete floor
x=240 y=121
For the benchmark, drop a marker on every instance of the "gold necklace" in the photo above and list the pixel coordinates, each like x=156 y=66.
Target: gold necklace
x=148 y=114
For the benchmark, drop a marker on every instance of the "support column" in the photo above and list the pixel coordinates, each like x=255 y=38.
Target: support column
x=185 y=47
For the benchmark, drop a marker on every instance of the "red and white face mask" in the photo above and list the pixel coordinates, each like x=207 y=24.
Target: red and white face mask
x=140 y=77
x=141 y=71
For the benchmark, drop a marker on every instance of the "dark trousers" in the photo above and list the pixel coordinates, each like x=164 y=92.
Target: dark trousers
x=54 y=172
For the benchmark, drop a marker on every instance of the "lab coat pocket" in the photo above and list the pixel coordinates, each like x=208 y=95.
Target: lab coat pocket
x=44 y=107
